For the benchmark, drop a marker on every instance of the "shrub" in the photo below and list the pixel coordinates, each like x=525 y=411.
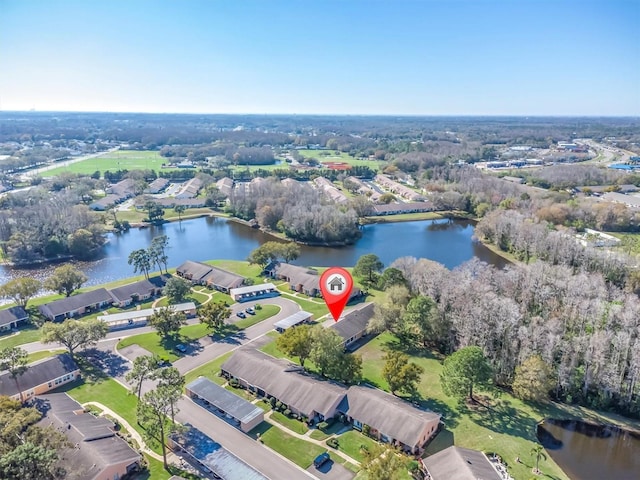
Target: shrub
x=333 y=443
x=234 y=383
x=366 y=429
x=287 y=412
x=272 y=401
x=258 y=307
x=278 y=405
x=323 y=425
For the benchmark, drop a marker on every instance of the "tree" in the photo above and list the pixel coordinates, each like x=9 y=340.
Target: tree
x=401 y=374
x=463 y=370
x=141 y=261
x=327 y=351
x=167 y=322
x=347 y=369
x=171 y=382
x=382 y=463
x=152 y=413
x=290 y=251
x=533 y=380
x=537 y=451
x=14 y=359
x=179 y=209
x=387 y=198
x=297 y=342
x=144 y=367
x=367 y=267
x=74 y=334
x=272 y=251
x=20 y=290
x=28 y=462
x=154 y=212
x=157 y=252
x=420 y=316
x=391 y=276
x=176 y=289
x=213 y=314
x=14 y=420
x=65 y=279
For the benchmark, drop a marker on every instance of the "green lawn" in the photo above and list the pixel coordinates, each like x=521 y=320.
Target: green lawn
x=210 y=370
x=352 y=441
x=164 y=348
x=119 y=160
x=318 y=434
x=291 y=423
x=27 y=334
x=35 y=356
x=298 y=451
x=404 y=217
x=136 y=216
x=240 y=267
x=314 y=307
x=265 y=312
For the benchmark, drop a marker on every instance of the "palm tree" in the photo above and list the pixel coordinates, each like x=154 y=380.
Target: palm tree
x=538 y=452
x=179 y=209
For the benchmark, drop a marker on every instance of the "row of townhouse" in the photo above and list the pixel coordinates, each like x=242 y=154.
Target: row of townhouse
x=213 y=277
x=96 y=300
x=116 y=193
x=330 y=190
x=398 y=188
x=388 y=418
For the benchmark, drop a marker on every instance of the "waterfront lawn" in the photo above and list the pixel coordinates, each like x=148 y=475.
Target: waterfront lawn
x=291 y=423
x=240 y=267
x=404 y=217
x=300 y=452
x=502 y=424
x=210 y=370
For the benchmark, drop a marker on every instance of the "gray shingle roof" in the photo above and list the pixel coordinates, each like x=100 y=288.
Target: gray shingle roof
x=455 y=463
x=225 y=400
x=11 y=315
x=143 y=287
x=196 y=271
x=223 y=278
x=74 y=302
x=38 y=373
x=388 y=414
x=354 y=321
x=97 y=445
x=285 y=381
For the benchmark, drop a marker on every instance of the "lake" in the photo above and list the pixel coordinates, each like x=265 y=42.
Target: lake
x=585 y=451
x=447 y=242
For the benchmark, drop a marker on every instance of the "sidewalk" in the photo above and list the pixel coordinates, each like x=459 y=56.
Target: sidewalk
x=306 y=437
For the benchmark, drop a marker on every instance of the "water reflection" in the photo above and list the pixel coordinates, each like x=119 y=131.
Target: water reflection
x=586 y=451
x=444 y=241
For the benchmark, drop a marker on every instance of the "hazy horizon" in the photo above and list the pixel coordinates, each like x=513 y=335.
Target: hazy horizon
x=570 y=58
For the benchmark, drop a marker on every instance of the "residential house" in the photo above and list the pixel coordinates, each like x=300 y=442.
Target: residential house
x=389 y=418
x=196 y=272
x=138 y=318
x=225 y=185
x=105 y=202
x=628 y=200
x=456 y=463
x=98 y=453
x=365 y=189
x=124 y=188
x=138 y=291
x=157 y=186
x=398 y=188
x=396 y=208
x=330 y=190
x=171 y=202
x=303 y=394
x=300 y=279
x=40 y=377
x=213 y=277
x=352 y=326
x=76 y=305
x=190 y=189
x=246 y=415
x=12 y=317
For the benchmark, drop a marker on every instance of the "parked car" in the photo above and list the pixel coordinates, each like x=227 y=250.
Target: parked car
x=250 y=311
x=162 y=363
x=241 y=315
x=181 y=348
x=321 y=459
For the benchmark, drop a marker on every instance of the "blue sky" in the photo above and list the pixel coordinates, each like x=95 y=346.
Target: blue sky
x=421 y=57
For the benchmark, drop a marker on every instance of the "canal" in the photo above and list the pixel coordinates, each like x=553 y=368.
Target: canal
x=447 y=242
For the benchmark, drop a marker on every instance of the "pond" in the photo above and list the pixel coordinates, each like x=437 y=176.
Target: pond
x=586 y=451
x=447 y=242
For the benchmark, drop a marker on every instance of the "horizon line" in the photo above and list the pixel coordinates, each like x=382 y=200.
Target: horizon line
x=281 y=114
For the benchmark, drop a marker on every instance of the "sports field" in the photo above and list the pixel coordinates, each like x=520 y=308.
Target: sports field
x=119 y=160
x=330 y=156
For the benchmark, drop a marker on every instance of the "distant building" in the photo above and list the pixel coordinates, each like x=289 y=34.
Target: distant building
x=398 y=188
x=202 y=274
x=225 y=185
x=595 y=238
x=330 y=190
x=190 y=189
x=398 y=208
x=157 y=186
x=628 y=200
x=40 y=377
x=97 y=452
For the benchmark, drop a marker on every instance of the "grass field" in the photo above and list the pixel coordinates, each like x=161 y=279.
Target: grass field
x=35 y=356
x=298 y=451
x=291 y=423
x=27 y=334
x=321 y=156
x=404 y=217
x=119 y=160
x=351 y=443
x=209 y=370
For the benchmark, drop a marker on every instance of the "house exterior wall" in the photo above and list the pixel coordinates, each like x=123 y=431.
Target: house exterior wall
x=248 y=426
x=48 y=386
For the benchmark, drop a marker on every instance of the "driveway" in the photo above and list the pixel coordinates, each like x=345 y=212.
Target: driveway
x=331 y=471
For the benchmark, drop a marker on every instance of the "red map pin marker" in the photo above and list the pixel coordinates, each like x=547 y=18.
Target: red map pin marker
x=336 y=285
